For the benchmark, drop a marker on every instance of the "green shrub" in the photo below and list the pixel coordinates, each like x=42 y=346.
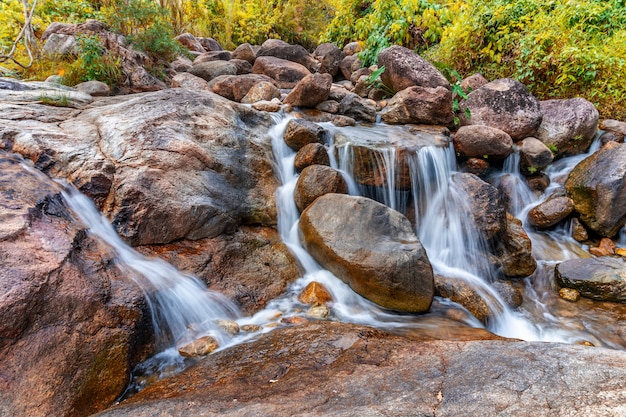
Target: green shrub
x=93 y=63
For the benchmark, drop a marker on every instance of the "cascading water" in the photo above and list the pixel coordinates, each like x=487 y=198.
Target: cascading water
x=181 y=306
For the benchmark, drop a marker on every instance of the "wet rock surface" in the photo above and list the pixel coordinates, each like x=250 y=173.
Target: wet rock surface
x=370 y=247
x=316 y=181
x=358 y=371
x=601 y=279
x=598 y=187
x=550 y=212
x=71 y=328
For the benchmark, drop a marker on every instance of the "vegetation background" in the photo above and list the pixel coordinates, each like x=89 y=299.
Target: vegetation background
x=558 y=48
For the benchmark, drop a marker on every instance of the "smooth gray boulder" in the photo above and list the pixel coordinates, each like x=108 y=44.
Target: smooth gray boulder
x=404 y=68
x=602 y=279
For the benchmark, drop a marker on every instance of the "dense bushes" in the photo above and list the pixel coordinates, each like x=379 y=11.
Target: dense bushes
x=559 y=48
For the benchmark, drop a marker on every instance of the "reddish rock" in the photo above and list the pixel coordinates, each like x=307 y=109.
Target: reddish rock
x=190 y=82
x=316 y=181
x=348 y=65
x=315 y=294
x=606 y=247
x=301 y=132
x=310 y=91
x=199 y=347
x=311 y=154
x=219 y=55
x=262 y=91
x=473 y=82
x=482 y=142
x=245 y=52
x=550 y=212
x=285 y=73
x=294 y=53
x=420 y=105
x=190 y=42
x=236 y=87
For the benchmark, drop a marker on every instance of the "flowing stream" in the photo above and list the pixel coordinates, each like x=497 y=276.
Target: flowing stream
x=183 y=309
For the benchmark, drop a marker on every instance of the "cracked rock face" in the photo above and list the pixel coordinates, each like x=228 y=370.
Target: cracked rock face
x=349 y=370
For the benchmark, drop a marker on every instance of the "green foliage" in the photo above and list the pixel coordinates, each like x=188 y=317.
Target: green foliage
x=416 y=24
x=374 y=81
x=60 y=100
x=93 y=63
x=557 y=48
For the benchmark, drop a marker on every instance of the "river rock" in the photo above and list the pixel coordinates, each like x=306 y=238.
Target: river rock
x=71 y=327
x=358 y=108
x=473 y=82
x=262 y=91
x=199 y=347
x=315 y=294
x=311 y=154
x=285 y=51
x=348 y=65
x=190 y=82
x=94 y=88
x=357 y=371
x=463 y=293
x=301 y=132
x=310 y=91
x=181 y=64
x=314 y=182
x=514 y=250
x=285 y=73
x=486 y=205
x=579 y=233
x=569 y=294
x=328 y=106
x=161 y=169
x=534 y=155
x=329 y=57
x=59 y=45
x=550 y=212
x=404 y=68
x=273 y=105
x=616 y=127
x=251 y=266
x=485 y=142
x=236 y=87
x=420 y=105
x=209 y=44
x=352 y=48
x=213 y=56
x=190 y=42
x=245 y=52
x=602 y=279
x=370 y=247
x=504 y=104
x=598 y=187
x=568 y=126
x=208 y=70
x=243 y=66
x=606 y=247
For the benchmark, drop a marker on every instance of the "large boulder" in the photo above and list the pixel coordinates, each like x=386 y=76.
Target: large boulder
x=420 y=105
x=358 y=108
x=404 y=68
x=482 y=142
x=285 y=73
x=162 y=166
x=285 y=51
x=190 y=42
x=335 y=369
x=236 y=87
x=602 y=279
x=568 y=126
x=504 y=104
x=245 y=52
x=598 y=187
x=513 y=252
x=310 y=91
x=15 y=91
x=71 y=327
x=316 y=181
x=370 y=247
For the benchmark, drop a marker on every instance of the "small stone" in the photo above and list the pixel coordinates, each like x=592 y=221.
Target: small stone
x=311 y=154
x=569 y=294
x=294 y=320
x=300 y=132
x=199 y=347
x=318 y=312
x=315 y=294
x=621 y=252
x=268 y=106
x=477 y=166
x=605 y=248
x=229 y=326
x=251 y=328
x=579 y=233
x=585 y=343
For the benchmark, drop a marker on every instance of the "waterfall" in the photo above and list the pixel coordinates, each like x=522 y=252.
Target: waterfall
x=181 y=306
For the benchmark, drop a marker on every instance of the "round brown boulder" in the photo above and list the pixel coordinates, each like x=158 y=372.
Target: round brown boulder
x=482 y=142
x=370 y=247
x=211 y=69
x=505 y=104
x=245 y=52
x=329 y=56
x=311 y=154
x=314 y=182
x=404 y=68
x=550 y=212
x=301 y=132
x=420 y=105
x=286 y=73
x=310 y=91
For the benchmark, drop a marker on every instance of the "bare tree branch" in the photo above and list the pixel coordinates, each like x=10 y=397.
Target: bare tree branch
x=27 y=35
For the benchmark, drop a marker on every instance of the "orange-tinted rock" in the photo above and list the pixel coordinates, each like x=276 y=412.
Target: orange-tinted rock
x=316 y=181
x=605 y=248
x=311 y=154
x=315 y=294
x=199 y=347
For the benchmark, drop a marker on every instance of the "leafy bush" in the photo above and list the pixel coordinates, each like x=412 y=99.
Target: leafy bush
x=93 y=63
